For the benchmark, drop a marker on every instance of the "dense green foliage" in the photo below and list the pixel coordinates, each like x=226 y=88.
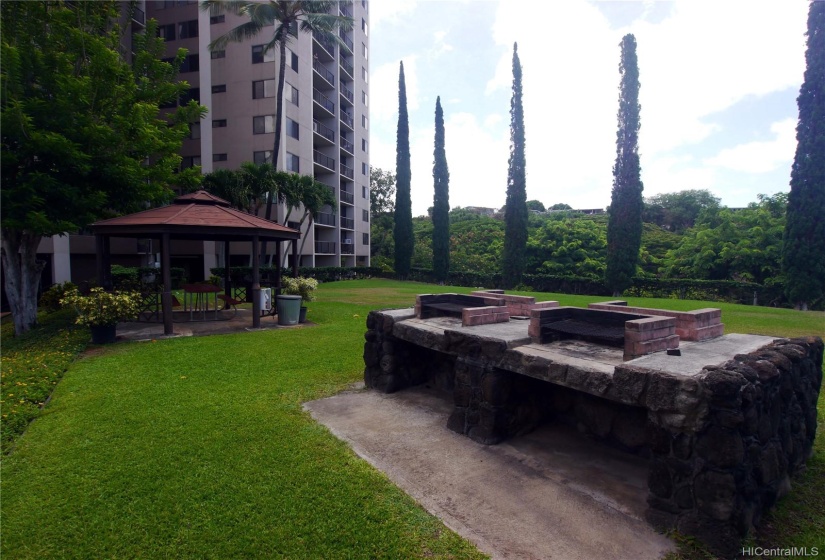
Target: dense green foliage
x=678 y=211
x=403 y=231
x=32 y=365
x=803 y=259
x=515 y=217
x=567 y=246
x=624 y=227
x=382 y=191
x=726 y=244
x=441 y=200
x=82 y=133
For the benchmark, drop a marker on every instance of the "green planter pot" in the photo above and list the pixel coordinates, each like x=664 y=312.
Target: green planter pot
x=289 y=309
x=103 y=334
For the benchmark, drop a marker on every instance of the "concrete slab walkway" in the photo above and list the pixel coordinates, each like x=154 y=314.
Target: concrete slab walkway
x=552 y=494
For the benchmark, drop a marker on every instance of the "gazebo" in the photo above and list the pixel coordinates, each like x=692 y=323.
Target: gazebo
x=195 y=216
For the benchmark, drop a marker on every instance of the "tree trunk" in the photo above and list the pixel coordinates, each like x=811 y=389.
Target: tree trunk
x=300 y=224
x=279 y=110
x=22 y=277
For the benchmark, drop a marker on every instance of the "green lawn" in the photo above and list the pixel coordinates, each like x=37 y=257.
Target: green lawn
x=199 y=448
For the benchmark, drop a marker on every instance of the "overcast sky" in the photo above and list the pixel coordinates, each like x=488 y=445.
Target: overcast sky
x=719 y=81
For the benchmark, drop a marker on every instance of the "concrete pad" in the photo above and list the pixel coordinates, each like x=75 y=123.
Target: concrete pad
x=696 y=355
x=550 y=494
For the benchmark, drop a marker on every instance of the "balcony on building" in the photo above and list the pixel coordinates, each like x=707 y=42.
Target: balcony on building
x=323 y=102
x=347 y=223
x=326 y=247
x=327 y=163
x=347 y=67
x=138 y=17
x=347 y=171
x=345 y=8
x=346 y=40
x=323 y=133
x=325 y=73
x=347 y=247
x=347 y=146
x=326 y=51
x=346 y=119
x=346 y=94
x=347 y=197
x=325 y=219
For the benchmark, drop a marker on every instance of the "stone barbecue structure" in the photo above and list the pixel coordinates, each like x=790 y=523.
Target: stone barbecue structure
x=724 y=420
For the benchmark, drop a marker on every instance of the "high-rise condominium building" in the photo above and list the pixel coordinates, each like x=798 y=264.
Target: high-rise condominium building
x=325 y=131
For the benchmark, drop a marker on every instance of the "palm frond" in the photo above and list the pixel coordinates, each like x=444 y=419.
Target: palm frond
x=238 y=34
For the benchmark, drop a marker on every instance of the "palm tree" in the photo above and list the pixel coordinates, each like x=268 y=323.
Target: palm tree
x=309 y=16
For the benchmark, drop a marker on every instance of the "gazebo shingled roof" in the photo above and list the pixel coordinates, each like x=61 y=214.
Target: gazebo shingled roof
x=198 y=215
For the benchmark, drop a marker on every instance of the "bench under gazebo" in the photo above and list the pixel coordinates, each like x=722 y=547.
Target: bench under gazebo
x=197 y=216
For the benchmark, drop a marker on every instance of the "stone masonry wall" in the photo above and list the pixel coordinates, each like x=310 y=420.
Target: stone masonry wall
x=723 y=443
x=715 y=482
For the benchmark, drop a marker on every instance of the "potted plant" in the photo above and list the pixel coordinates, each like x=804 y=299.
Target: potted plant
x=102 y=310
x=302 y=287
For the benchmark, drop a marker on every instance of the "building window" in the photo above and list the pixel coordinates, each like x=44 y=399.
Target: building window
x=195 y=130
x=263 y=125
x=259 y=56
x=364 y=145
x=190 y=161
x=365 y=75
x=365 y=215
x=218 y=54
x=364 y=27
x=365 y=51
x=219 y=88
x=291 y=94
x=219 y=157
x=364 y=169
x=263 y=88
x=190 y=64
x=167 y=32
x=365 y=238
x=188 y=29
x=219 y=123
x=292 y=59
x=363 y=192
x=194 y=94
x=292 y=163
x=365 y=99
x=262 y=157
x=365 y=122
x=217 y=19
x=291 y=128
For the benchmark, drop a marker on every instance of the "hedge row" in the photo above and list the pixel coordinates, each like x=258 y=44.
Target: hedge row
x=669 y=288
x=243 y=274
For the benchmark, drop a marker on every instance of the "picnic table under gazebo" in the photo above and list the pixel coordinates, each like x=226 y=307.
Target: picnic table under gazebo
x=194 y=216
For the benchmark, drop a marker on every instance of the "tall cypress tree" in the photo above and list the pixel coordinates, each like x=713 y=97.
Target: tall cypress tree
x=441 y=201
x=403 y=203
x=803 y=255
x=624 y=225
x=515 y=217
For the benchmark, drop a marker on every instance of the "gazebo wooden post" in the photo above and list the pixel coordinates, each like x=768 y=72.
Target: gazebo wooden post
x=277 y=269
x=166 y=270
x=227 y=280
x=295 y=258
x=256 y=284
x=104 y=262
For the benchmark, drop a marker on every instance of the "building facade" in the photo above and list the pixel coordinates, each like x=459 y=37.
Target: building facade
x=325 y=132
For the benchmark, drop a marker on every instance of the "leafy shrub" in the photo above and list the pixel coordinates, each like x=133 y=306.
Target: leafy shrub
x=50 y=300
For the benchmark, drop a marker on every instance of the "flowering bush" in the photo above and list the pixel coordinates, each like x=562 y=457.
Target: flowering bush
x=101 y=308
x=299 y=287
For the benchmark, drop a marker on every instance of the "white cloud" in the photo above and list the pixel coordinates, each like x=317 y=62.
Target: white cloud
x=761 y=157
x=384 y=89
x=390 y=11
